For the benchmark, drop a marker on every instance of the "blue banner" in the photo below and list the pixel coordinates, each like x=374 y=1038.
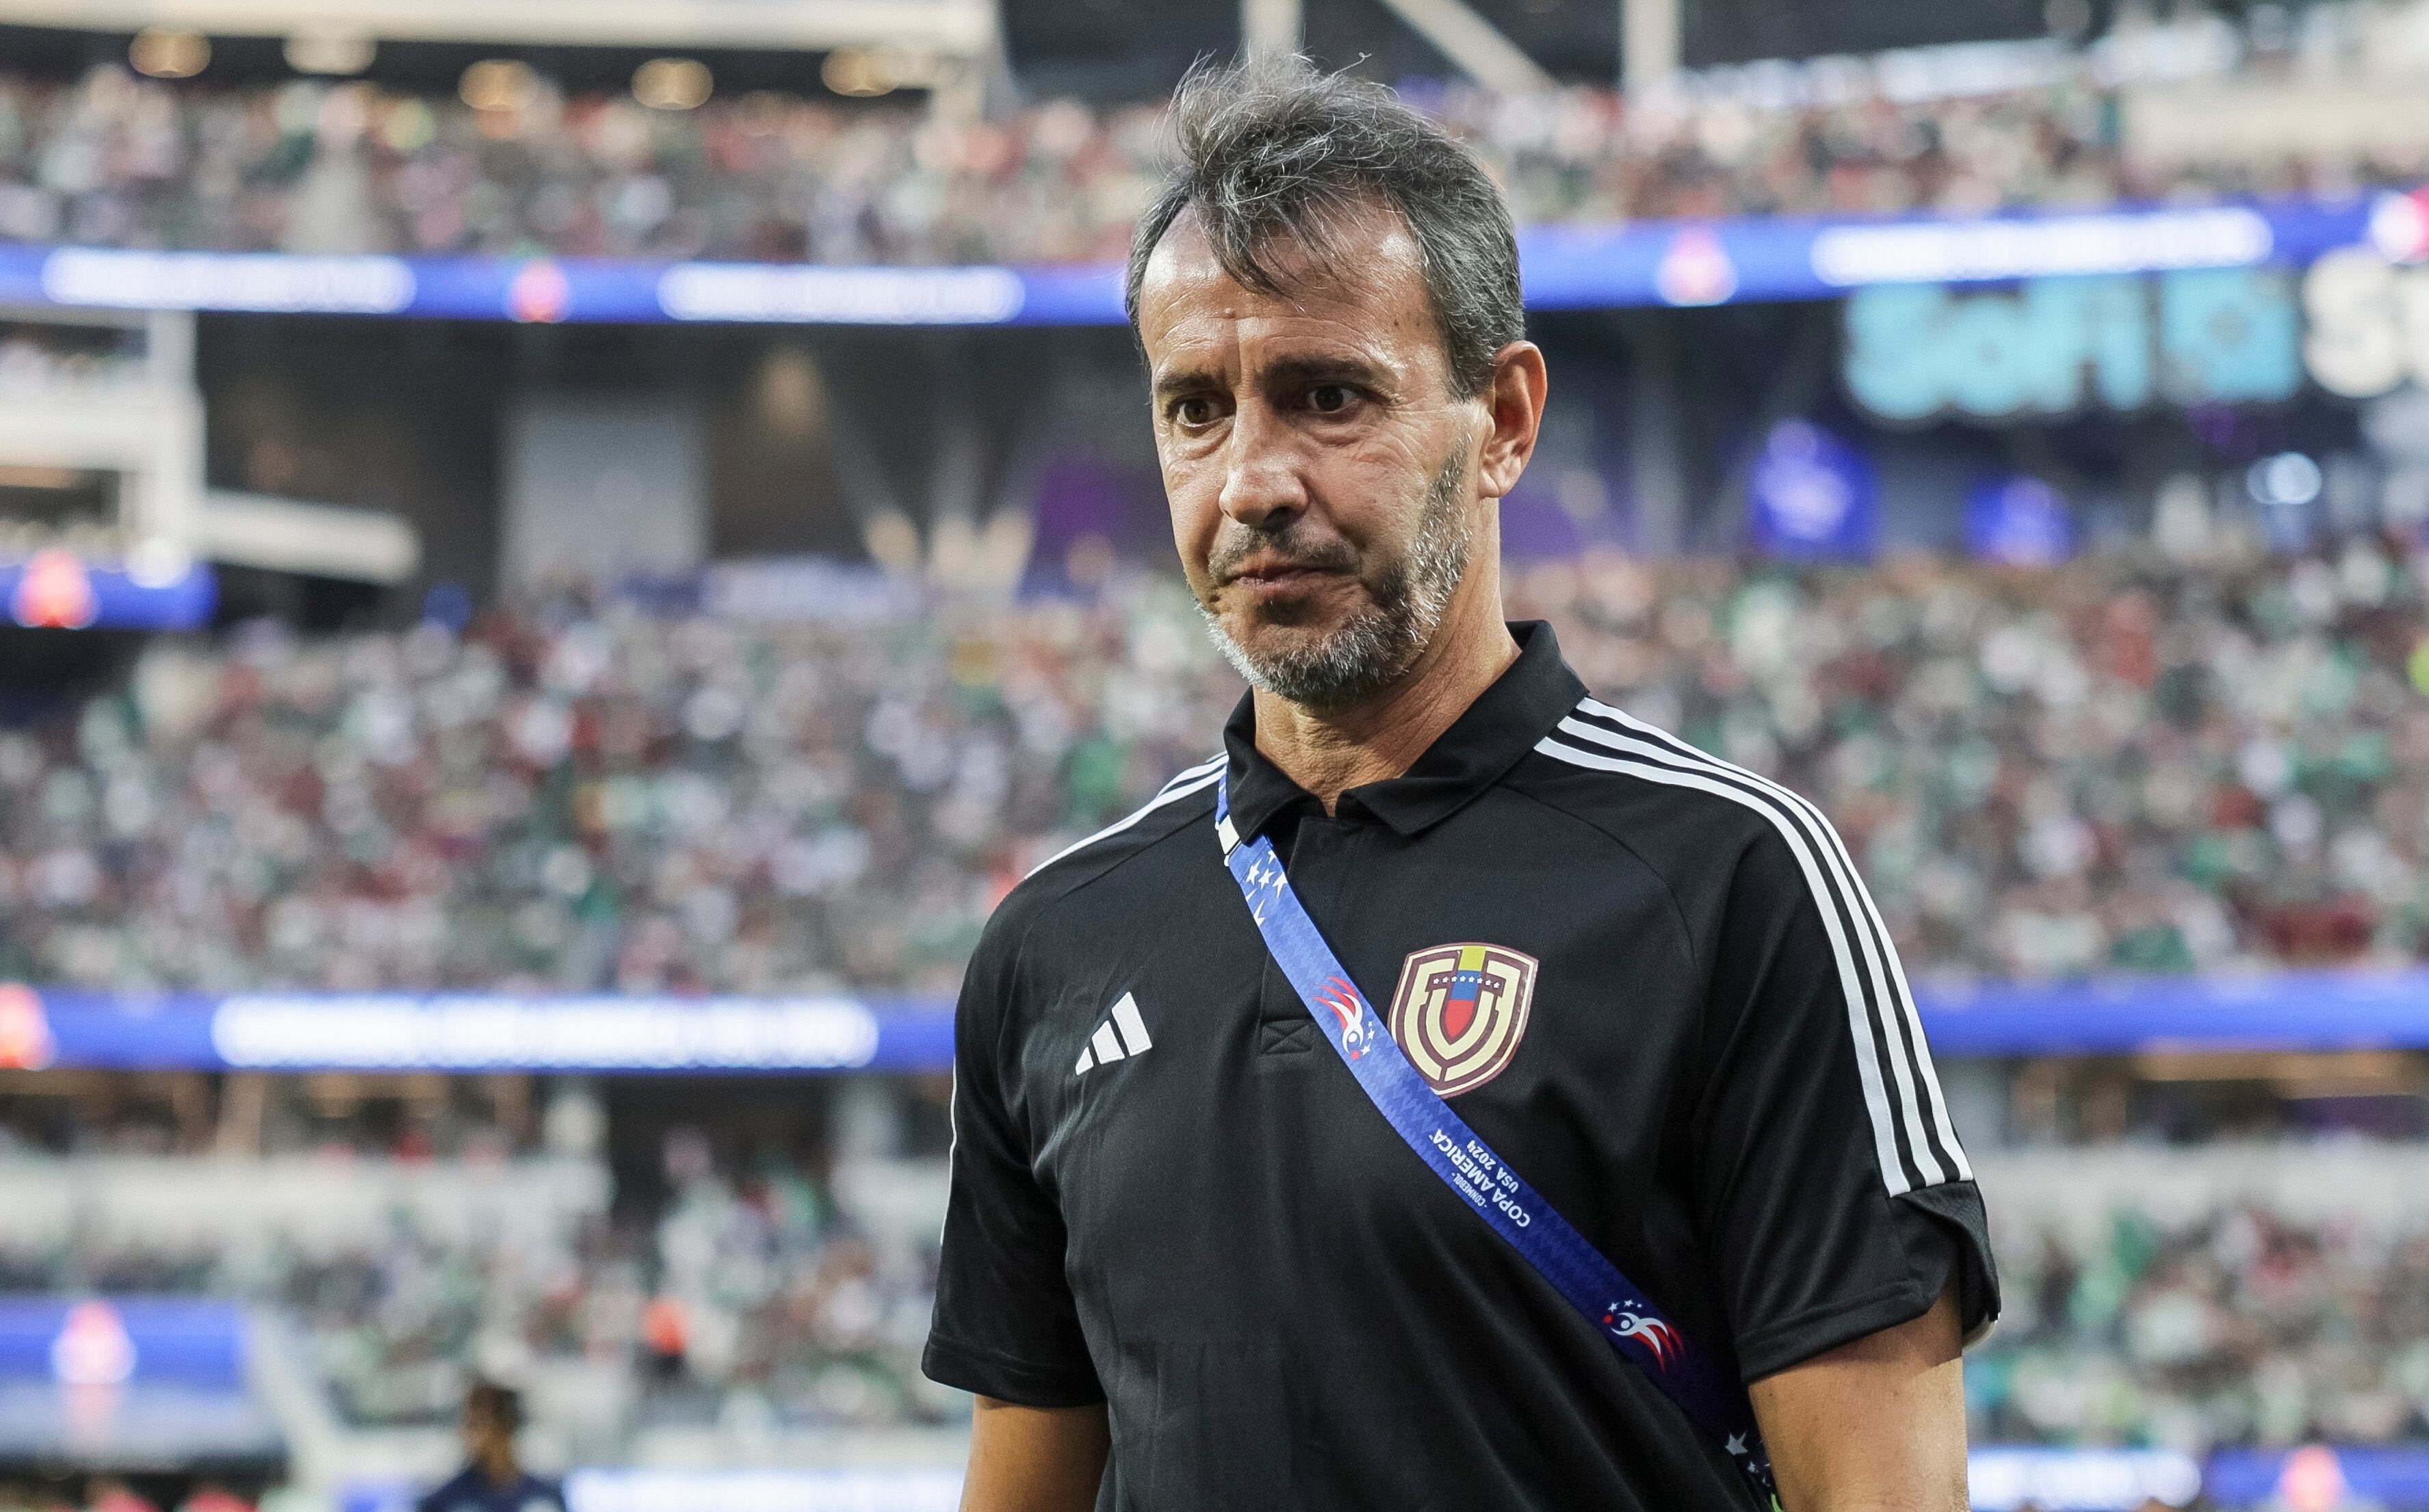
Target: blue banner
x=469 y=1032
x=1643 y=263
x=2013 y=1478
x=2003 y=1478
x=472 y=1031
x=2385 y=1478
x=2119 y=1016
x=95 y=1341
x=57 y=589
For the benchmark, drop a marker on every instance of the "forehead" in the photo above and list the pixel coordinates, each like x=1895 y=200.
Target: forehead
x=1369 y=301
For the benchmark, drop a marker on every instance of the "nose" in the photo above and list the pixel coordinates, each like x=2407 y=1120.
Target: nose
x=1262 y=483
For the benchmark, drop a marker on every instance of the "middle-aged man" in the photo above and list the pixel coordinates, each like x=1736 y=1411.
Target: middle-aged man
x=1191 y=1260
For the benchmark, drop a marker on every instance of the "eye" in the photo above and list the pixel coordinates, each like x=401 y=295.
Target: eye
x=1329 y=399
x=1194 y=411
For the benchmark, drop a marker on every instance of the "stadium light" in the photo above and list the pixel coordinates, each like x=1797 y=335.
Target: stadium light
x=672 y=83
x=856 y=72
x=499 y=84
x=169 y=53
x=2287 y=479
x=326 y=51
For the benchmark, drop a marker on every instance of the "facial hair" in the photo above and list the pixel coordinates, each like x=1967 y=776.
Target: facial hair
x=1382 y=641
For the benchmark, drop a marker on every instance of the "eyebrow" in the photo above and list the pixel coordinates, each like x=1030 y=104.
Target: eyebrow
x=1291 y=372
x=1182 y=381
x=1303 y=373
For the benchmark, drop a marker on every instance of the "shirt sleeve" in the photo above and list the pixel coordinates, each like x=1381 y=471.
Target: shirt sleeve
x=1833 y=1197
x=1005 y=1324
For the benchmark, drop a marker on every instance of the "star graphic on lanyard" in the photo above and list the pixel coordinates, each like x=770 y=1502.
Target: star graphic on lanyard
x=1736 y=1445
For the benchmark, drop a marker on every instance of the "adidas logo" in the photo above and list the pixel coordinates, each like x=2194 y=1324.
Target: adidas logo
x=1122 y=1034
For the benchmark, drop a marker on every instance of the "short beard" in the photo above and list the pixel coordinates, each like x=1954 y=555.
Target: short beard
x=1372 y=652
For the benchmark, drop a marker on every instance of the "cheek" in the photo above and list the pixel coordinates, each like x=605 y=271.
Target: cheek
x=1193 y=494
x=1360 y=490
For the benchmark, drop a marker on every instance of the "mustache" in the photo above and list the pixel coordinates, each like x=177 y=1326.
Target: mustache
x=1294 y=545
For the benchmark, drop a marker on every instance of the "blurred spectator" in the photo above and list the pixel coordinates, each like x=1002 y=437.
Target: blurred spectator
x=2241 y=1327
x=317 y=167
x=748 y=1291
x=2128 y=764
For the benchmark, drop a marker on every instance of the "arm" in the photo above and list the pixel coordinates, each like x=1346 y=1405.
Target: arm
x=1007 y=1327
x=1839 y=1205
x=1034 y=1460
x=1874 y=1426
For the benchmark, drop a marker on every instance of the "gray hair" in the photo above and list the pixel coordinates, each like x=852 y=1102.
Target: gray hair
x=1272 y=150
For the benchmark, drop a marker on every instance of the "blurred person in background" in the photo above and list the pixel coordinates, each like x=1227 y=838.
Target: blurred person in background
x=493 y=1479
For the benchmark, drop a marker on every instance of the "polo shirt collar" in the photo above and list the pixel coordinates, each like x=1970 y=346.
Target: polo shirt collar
x=1524 y=704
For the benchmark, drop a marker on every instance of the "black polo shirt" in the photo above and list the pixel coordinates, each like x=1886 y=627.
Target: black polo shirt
x=1170 y=1195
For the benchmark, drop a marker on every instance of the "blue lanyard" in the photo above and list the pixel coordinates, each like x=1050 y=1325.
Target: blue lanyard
x=1467 y=1165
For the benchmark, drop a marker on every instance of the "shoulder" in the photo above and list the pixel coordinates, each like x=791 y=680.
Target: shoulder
x=448 y=1495
x=1183 y=804
x=1680 y=808
x=1727 y=840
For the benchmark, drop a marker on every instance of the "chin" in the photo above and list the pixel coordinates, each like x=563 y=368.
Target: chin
x=1285 y=630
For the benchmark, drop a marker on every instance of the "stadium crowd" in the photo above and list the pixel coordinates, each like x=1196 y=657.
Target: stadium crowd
x=518 y=168
x=2240 y=1327
x=747 y=1296
x=2130 y=763
x=750 y=1302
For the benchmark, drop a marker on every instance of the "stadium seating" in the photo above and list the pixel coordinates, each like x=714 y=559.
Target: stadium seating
x=313 y=167
x=2135 y=764
x=2191 y=1298
x=2188 y=1298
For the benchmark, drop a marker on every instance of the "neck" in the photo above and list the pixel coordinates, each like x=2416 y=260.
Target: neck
x=1331 y=752
x=498 y=1466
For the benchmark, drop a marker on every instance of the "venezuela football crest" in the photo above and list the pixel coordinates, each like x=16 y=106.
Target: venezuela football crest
x=1459 y=1012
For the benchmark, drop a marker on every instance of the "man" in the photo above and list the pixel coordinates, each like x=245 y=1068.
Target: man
x=1188 y=1264
x=493 y=1478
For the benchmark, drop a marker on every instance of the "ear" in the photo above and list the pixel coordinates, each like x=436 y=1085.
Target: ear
x=1514 y=398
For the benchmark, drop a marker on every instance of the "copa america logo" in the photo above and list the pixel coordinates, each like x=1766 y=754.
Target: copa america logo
x=1658 y=1336
x=1350 y=1010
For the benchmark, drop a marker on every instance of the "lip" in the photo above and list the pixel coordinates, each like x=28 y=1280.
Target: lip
x=1272 y=573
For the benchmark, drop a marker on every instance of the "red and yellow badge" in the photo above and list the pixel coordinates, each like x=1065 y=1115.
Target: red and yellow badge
x=1459 y=1012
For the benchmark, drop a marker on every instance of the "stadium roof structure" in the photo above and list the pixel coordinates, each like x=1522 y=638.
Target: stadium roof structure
x=1129 y=48
x=946 y=27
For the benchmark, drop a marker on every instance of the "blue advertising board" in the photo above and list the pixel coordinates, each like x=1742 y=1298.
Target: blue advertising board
x=470 y=1031
x=2385 y=1477
x=96 y=1341
x=1640 y=263
x=131 y=1384
x=2001 y=1477
x=56 y=589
